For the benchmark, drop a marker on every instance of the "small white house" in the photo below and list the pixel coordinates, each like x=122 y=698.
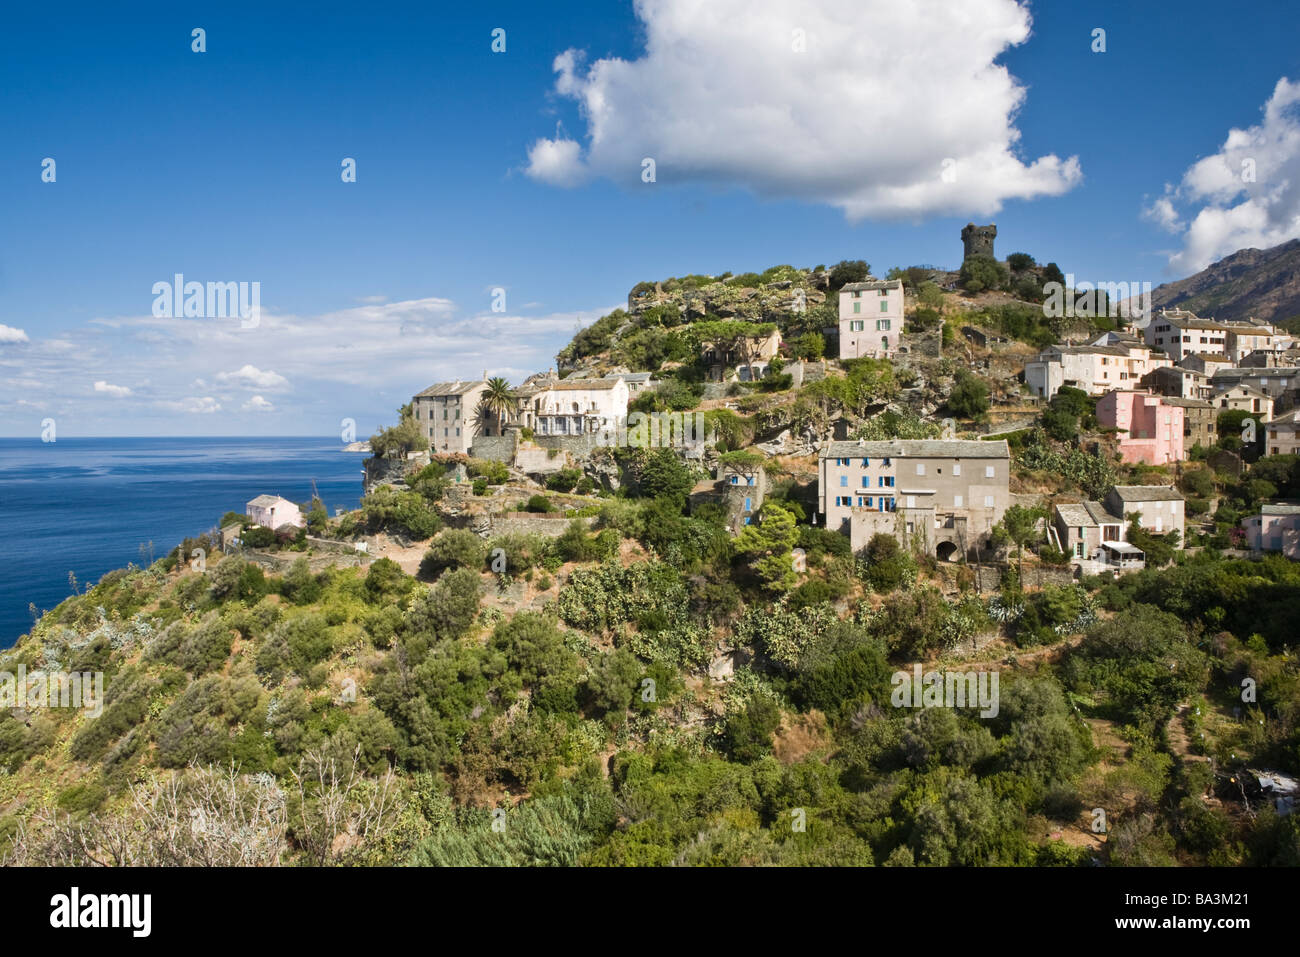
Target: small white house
x=272 y=511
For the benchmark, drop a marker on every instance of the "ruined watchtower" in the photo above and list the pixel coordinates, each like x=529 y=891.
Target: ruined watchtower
x=978 y=240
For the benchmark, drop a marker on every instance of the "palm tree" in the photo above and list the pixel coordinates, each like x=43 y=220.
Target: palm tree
x=498 y=399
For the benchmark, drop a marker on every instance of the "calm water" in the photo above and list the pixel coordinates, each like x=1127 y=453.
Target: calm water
x=87 y=505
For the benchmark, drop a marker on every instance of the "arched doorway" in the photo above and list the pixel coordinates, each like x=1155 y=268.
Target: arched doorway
x=947 y=551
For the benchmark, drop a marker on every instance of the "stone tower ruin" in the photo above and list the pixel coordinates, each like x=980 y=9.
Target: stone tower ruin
x=978 y=240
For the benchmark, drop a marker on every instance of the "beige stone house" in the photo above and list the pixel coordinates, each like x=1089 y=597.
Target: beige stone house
x=944 y=496
x=1094 y=538
x=449 y=414
x=1282 y=435
x=1200 y=421
x=1245 y=399
x=1160 y=508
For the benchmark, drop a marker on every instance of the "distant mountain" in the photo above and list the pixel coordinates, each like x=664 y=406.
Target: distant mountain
x=1264 y=283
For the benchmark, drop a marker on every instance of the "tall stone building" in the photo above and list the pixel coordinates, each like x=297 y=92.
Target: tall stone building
x=978 y=240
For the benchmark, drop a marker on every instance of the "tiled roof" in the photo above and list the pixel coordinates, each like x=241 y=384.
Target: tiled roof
x=872 y=284
x=1147 y=493
x=1185 y=403
x=266 y=501
x=1089 y=514
x=449 y=388
x=1279 y=509
x=918 y=448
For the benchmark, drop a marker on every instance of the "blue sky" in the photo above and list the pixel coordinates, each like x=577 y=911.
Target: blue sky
x=478 y=170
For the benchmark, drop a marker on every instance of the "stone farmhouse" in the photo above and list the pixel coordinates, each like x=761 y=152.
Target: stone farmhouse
x=449 y=414
x=1282 y=435
x=944 y=496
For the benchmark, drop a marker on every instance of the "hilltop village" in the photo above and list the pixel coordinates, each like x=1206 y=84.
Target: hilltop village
x=969 y=378
x=804 y=567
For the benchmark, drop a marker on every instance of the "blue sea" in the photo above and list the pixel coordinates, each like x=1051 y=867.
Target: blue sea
x=87 y=505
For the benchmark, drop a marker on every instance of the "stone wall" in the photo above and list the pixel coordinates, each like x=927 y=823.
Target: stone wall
x=497 y=448
x=533 y=459
x=526 y=523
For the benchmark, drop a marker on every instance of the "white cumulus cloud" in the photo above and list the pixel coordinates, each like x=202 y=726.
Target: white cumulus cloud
x=1247 y=194
x=257 y=404
x=880 y=108
x=116 y=391
x=9 y=334
x=199 y=405
x=249 y=376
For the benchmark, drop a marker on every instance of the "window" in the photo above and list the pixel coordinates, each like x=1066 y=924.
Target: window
x=911 y=501
x=749 y=504
x=988 y=471
x=1078 y=549
x=735 y=480
x=861 y=501
x=869 y=501
x=882 y=325
x=920 y=468
x=957 y=501
x=866 y=481
x=857 y=307
x=886 y=462
x=884 y=304
x=844 y=481
x=856 y=325
x=866 y=462
x=956 y=468
x=988 y=501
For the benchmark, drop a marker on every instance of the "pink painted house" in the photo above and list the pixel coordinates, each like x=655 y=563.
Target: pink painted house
x=1150 y=431
x=272 y=511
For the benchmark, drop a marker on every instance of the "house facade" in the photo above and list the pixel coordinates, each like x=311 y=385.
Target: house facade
x=749 y=355
x=1150 y=431
x=272 y=511
x=450 y=414
x=943 y=495
x=744 y=490
x=1282 y=435
x=1280 y=383
x=577 y=407
x=1095 y=538
x=1275 y=529
x=871 y=318
x=1245 y=399
x=1179 y=382
x=1200 y=422
x=1179 y=333
x=1113 y=362
x=1160 y=508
